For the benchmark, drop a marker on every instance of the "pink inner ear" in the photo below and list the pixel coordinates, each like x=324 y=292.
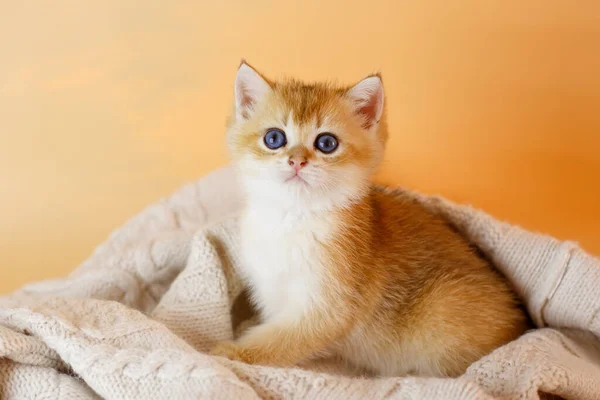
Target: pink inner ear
x=245 y=101
x=368 y=109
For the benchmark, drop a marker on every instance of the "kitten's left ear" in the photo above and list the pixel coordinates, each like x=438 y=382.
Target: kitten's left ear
x=250 y=88
x=367 y=98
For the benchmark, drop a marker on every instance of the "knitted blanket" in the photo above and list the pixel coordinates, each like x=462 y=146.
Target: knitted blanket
x=134 y=320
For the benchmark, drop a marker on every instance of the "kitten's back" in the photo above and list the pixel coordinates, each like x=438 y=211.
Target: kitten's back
x=440 y=305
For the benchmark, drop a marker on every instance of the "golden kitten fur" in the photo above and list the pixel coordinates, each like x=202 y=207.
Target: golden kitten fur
x=338 y=266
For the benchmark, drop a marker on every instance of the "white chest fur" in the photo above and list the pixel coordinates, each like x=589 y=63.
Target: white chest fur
x=282 y=255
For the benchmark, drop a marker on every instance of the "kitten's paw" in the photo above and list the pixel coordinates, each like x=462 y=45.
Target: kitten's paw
x=228 y=349
x=249 y=355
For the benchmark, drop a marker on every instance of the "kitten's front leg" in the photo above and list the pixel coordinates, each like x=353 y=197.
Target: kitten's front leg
x=286 y=341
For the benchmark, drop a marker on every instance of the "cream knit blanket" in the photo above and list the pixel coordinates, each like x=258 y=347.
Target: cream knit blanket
x=135 y=319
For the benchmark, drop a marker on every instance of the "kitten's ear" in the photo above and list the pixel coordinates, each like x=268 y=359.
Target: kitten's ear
x=367 y=97
x=250 y=88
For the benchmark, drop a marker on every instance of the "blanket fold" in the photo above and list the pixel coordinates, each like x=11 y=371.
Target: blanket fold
x=134 y=321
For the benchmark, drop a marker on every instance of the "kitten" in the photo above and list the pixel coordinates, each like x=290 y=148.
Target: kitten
x=338 y=266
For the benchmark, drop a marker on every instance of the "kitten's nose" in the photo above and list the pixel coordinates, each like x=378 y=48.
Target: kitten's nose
x=297 y=162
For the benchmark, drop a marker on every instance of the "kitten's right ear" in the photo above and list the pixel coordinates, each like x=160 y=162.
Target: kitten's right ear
x=250 y=89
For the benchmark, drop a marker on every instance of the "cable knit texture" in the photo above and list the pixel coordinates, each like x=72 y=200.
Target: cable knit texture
x=135 y=320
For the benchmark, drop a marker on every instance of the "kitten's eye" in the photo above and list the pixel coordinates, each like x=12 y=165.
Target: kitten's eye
x=326 y=142
x=275 y=139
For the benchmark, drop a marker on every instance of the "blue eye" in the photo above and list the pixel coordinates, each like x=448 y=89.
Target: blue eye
x=326 y=143
x=275 y=139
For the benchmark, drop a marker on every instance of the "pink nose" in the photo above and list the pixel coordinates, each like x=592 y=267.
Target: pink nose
x=297 y=162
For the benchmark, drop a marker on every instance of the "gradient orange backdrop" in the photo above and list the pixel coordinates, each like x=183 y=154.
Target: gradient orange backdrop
x=105 y=106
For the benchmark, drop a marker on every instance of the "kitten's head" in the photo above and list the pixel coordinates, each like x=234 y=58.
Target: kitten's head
x=306 y=145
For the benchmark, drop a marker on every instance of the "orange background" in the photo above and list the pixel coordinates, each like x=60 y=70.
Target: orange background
x=105 y=106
